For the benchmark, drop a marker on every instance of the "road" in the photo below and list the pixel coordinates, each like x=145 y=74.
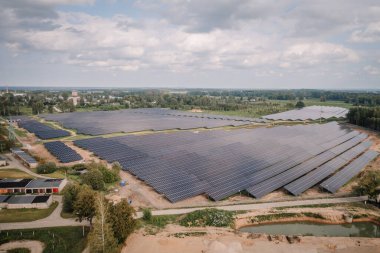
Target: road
x=54 y=220
x=16 y=164
x=248 y=207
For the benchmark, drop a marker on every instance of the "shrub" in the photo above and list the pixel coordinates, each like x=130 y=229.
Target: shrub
x=109 y=176
x=368 y=184
x=93 y=178
x=79 y=167
x=46 y=168
x=147 y=214
x=208 y=217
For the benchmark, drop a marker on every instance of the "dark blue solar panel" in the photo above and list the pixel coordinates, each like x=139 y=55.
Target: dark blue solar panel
x=62 y=152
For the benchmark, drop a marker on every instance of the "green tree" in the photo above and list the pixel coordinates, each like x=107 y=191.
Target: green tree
x=84 y=205
x=300 y=104
x=147 y=214
x=93 y=178
x=121 y=220
x=70 y=194
x=46 y=168
x=101 y=237
x=368 y=184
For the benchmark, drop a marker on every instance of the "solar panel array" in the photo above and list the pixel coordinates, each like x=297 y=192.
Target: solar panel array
x=42 y=131
x=62 y=152
x=221 y=163
x=134 y=120
x=348 y=172
x=310 y=113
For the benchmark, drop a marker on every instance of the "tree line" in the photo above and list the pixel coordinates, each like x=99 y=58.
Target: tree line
x=365 y=116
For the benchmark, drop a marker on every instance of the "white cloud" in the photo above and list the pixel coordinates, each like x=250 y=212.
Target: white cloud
x=372 y=70
x=369 y=34
x=317 y=53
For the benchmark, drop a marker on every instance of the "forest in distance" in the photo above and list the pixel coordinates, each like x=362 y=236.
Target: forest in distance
x=364 y=106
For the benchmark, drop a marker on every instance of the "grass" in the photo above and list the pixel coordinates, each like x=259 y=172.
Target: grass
x=13 y=173
x=20 y=132
x=208 y=217
x=67 y=215
x=57 y=239
x=272 y=217
x=26 y=214
x=313 y=215
x=19 y=250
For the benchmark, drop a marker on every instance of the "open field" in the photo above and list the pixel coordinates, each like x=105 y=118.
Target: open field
x=13 y=173
x=25 y=214
x=56 y=239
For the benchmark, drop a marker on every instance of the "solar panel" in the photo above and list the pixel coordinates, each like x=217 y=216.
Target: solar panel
x=343 y=176
x=310 y=113
x=42 y=131
x=62 y=152
x=135 y=120
x=219 y=163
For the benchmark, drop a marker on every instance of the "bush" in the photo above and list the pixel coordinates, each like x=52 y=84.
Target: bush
x=147 y=214
x=46 y=168
x=19 y=250
x=208 y=217
x=109 y=176
x=93 y=178
x=79 y=167
x=368 y=184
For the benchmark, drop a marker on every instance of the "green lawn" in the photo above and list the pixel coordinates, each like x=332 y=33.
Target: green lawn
x=13 y=173
x=21 y=133
x=26 y=214
x=57 y=239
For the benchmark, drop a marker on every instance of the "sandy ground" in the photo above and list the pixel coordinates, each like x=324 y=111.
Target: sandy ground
x=34 y=246
x=226 y=241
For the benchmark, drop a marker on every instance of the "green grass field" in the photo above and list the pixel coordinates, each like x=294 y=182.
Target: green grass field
x=56 y=239
x=25 y=214
x=13 y=173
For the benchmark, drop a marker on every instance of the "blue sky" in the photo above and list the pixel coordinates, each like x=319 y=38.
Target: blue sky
x=191 y=43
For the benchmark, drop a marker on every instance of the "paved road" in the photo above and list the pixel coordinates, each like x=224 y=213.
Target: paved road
x=16 y=164
x=54 y=220
x=247 y=207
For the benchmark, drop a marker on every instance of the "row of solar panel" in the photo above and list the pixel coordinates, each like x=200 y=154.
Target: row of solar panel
x=134 y=120
x=309 y=113
x=222 y=163
x=42 y=131
x=62 y=152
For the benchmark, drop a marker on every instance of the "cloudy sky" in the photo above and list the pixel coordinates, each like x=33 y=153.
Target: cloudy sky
x=191 y=43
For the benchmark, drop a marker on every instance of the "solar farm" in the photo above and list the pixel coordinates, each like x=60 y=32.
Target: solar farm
x=222 y=163
x=41 y=130
x=136 y=120
x=62 y=152
x=310 y=113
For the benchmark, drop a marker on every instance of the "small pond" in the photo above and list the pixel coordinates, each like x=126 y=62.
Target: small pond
x=357 y=229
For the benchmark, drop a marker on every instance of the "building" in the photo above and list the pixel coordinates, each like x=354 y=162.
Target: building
x=32 y=186
x=74 y=97
x=25 y=158
x=3 y=162
x=25 y=201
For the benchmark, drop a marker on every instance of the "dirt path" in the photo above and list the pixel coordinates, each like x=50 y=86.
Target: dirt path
x=248 y=207
x=54 y=220
x=33 y=246
x=16 y=164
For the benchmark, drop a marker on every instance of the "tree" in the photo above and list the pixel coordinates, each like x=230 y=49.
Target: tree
x=368 y=184
x=46 y=168
x=70 y=194
x=93 y=178
x=147 y=214
x=84 y=205
x=101 y=237
x=122 y=221
x=300 y=104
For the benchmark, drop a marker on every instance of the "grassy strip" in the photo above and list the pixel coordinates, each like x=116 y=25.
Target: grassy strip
x=57 y=239
x=19 y=250
x=208 y=217
x=275 y=216
x=14 y=173
x=26 y=214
